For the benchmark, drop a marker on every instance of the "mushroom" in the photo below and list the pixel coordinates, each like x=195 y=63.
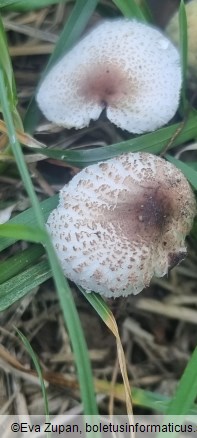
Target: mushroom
x=121 y=222
x=127 y=68
x=172 y=31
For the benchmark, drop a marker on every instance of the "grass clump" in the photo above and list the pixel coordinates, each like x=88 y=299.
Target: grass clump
x=26 y=269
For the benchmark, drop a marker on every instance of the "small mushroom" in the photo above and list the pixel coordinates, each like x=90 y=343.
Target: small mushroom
x=125 y=67
x=121 y=222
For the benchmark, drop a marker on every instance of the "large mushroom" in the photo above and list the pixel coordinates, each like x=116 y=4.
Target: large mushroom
x=128 y=68
x=121 y=222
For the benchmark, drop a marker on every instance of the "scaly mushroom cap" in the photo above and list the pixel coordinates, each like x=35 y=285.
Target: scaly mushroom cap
x=128 y=68
x=120 y=222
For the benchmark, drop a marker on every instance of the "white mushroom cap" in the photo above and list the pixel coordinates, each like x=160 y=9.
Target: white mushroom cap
x=120 y=222
x=128 y=68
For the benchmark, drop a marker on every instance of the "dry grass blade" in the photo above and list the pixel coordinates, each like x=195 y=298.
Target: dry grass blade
x=30 y=31
x=190 y=147
x=36 y=49
x=112 y=325
x=6 y=158
x=30 y=158
x=25 y=139
x=107 y=316
x=168 y=310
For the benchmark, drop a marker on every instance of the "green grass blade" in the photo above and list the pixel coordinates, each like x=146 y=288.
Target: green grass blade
x=17 y=152
x=23 y=232
x=156 y=401
x=184 y=397
x=183 y=41
x=27 y=217
x=191 y=174
x=6 y=67
x=65 y=296
x=186 y=392
x=192 y=164
x=153 y=142
x=19 y=262
x=145 y=8
x=73 y=28
x=97 y=303
x=150 y=400
x=38 y=370
x=17 y=287
x=183 y=37
x=130 y=9
x=27 y=5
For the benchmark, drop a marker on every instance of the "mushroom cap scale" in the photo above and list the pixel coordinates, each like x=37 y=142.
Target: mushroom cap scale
x=128 y=68
x=120 y=222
